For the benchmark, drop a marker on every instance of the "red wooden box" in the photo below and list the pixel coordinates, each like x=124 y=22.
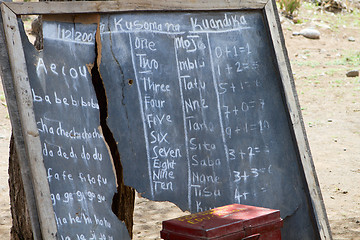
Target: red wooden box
x=231 y=222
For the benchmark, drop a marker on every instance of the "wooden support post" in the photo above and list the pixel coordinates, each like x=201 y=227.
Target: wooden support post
x=296 y=118
x=28 y=124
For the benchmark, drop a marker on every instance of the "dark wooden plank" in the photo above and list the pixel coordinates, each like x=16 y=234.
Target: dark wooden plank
x=119 y=6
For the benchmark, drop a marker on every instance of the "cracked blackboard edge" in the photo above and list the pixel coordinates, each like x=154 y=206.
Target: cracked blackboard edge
x=122 y=208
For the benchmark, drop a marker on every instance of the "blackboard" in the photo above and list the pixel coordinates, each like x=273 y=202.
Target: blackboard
x=200 y=103
x=77 y=162
x=196 y=106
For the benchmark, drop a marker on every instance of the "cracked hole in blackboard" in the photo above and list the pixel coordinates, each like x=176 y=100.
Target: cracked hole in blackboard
x=148 y=217
x=130 y=82
x=32 y=25
x=124 y=199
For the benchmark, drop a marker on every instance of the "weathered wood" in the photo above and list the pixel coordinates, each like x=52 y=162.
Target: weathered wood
x=21 y=221
x=19 y=170
x=297 y=121
x=28 y=124
x=118 y=6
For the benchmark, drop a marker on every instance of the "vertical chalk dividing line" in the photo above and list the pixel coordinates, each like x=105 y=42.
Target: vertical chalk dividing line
x=143 y=117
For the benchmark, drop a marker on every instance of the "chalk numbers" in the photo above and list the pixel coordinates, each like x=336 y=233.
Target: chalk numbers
x=244 y=175
x=74 y=35
x=234 y=59
x=242 y=118
x=247 y=153
x=232 y=51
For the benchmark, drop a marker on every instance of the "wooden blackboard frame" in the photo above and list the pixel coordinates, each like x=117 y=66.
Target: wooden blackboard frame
x=22 y=111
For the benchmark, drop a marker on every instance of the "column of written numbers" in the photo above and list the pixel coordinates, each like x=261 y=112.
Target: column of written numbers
x=205 y=151
x=242 y=111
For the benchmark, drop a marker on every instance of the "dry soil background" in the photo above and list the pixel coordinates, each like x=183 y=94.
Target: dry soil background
x=330 y=104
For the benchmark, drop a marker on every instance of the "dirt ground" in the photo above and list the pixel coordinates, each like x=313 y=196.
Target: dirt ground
x=330 y=104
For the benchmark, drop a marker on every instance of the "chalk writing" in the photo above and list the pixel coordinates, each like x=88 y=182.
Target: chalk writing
x=57 y=128
x=64 y=70
x=195 y=103
x=78 y=166
x=119 y=25
x=79 y=196
x=226 y=22
x=68 y=33
x=197 y=108
x=212 y=94
x=82 y=219
x=71 y=101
